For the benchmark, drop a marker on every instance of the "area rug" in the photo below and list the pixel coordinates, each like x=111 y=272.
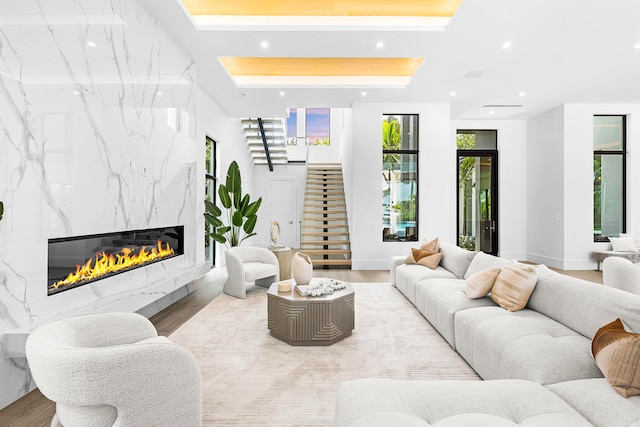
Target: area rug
x=251 y=378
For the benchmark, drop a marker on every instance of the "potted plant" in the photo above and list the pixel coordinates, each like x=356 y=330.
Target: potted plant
x=1 y=210
x=241 y=212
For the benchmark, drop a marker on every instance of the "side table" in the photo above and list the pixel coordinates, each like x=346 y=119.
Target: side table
x=599 y=256
x=284 y=255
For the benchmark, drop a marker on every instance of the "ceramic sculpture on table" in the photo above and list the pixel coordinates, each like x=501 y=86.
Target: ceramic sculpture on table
x=302 y=268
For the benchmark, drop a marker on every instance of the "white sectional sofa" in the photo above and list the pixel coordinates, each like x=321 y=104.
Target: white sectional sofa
x=537 y=361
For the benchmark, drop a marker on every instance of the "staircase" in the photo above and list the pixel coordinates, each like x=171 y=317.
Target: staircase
x=274 y=131
x=325 y=229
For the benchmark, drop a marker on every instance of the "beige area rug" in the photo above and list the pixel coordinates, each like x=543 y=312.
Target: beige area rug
x=251 y=378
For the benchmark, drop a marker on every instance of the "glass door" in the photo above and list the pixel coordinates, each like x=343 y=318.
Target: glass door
x=477 y=191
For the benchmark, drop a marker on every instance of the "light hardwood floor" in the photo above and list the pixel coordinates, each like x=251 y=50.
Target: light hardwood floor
x=34 y=410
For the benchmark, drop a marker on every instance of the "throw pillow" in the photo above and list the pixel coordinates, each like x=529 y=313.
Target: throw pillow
x=623 y=244
x=456 y=259
x=617 y=354
x=416 y=255
x=479 y=284
x=432 y=245
x=635 y=237
x=513 y=287
x=431 y=261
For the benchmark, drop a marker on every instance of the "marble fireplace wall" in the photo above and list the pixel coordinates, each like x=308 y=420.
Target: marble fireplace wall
x=98 y=128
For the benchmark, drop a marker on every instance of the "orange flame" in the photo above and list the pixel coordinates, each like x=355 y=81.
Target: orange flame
x=105 y=264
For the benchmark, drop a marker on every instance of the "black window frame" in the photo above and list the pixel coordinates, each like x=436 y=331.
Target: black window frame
x=416 y=152
x=623 y=153
x=211 y=178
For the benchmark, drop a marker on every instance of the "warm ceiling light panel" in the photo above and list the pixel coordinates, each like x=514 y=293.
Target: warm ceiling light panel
x=420 y=15
x=441 y=8
x=264 y=71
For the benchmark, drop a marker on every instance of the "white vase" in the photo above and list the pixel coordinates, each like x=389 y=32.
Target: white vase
x=302 y=268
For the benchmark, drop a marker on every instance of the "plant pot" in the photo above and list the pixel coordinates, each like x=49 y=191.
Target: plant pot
x=302 y=268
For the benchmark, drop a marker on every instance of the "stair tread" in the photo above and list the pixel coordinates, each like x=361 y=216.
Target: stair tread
x=331 y=262
x=328 y=251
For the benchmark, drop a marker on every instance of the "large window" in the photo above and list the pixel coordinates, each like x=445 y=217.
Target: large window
x=210 y=194
x=609 y=160
x=399 y=177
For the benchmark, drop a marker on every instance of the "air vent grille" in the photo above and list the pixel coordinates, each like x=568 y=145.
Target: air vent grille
x=473 y=74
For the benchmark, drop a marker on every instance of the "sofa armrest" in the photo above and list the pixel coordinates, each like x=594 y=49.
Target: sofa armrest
x=395 y=262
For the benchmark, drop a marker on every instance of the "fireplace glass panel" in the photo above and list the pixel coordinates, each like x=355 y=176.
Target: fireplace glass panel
x=76 y=261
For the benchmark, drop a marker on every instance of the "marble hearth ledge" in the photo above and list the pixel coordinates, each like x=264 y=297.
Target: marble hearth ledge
x=13 y=343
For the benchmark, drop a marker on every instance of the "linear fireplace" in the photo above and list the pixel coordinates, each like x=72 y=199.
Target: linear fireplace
x=79 y=260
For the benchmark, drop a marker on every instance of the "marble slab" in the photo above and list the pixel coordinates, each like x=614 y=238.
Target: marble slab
x=98 y=126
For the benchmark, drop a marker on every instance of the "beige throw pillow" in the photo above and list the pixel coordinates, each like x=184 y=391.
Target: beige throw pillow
x=431 y=261
x=431 y=246
x=617 y=354
x=479 y=284
x=513 y=287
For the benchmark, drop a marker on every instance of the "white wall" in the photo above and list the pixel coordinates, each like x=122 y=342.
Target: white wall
x=436 y=186
x=578 y=184
x=512 y=182
x=544 y=191
x=231 y=145
x=560 y=183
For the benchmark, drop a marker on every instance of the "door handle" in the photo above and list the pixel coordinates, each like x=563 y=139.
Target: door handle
x=290 y=222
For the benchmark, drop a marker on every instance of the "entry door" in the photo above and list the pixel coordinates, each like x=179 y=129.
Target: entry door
x=478 y=200
x=282 y=210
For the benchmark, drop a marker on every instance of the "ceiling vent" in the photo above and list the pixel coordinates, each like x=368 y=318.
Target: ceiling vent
x=502 y=106
x=473 y=75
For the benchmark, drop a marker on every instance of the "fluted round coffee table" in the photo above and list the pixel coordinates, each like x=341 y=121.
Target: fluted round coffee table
x=307 y=320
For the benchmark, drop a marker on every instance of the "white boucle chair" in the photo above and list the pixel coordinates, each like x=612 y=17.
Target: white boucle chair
x=622 y=274
x=247 y=265
x=112 y=369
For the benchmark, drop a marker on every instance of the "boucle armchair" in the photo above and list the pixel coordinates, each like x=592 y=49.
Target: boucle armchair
x=247 y=265
x=112 y=369
x=622 y=274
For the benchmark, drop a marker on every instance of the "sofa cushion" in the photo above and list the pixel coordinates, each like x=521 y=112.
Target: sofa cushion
x=479 y=284
x=599 y=403
x=484 y=261
x=456 y=259
x=258 y=270
x=556 y=295
x=408 y=275
x=523 y=344
x=513 y=287
x=438 y=300
x=451 y=403
x=617 y=354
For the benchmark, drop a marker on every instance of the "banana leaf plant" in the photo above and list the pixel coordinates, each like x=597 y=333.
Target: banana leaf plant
x=241 y=212
x=1 y=209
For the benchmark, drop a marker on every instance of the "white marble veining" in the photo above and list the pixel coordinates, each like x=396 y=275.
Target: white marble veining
x=97 y=134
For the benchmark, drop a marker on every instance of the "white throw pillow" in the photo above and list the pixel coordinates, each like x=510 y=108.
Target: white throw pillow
x=635 y=237
x=623 y=244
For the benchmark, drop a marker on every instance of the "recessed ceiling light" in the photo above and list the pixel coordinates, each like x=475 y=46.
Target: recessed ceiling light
x=159 y=93
x=636 y=46
x=380 y=45
x=364 y=93
x=491 y=112
x=281 y=93
x=91 y=44
x=522 y=93
x=264 y=45
x=452 y=93
x=506 y=45
x=75 y=92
